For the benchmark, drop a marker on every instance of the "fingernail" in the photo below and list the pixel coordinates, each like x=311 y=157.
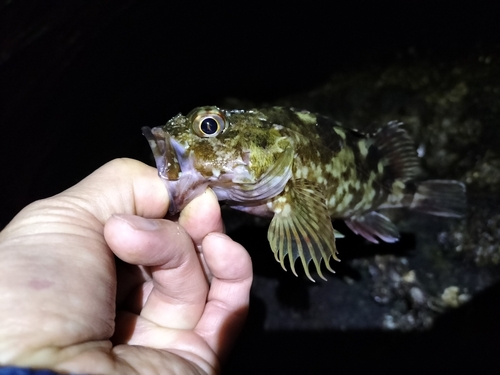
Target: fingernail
x=218 y=234
x=138 y=222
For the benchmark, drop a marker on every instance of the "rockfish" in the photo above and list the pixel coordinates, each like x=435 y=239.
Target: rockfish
x=302 y=169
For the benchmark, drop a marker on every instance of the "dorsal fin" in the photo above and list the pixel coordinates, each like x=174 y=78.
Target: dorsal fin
x=397 y=150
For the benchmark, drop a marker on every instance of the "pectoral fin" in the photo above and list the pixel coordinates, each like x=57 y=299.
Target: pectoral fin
x=302 y=228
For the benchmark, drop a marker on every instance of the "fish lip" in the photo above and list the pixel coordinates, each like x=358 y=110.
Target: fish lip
x=166 y=152
x=170 y=158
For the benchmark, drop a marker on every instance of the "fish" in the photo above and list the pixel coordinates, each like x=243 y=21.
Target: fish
x=301 y=169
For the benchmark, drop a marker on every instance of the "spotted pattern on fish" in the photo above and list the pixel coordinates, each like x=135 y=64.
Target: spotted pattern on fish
x=302 y=169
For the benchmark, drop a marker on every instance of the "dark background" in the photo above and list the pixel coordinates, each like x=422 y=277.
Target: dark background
x=78 y=79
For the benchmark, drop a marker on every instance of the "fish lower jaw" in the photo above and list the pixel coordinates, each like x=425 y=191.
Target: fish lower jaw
x=184 y=190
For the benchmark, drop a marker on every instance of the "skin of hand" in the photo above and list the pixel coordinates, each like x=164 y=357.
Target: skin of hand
x=172 y=301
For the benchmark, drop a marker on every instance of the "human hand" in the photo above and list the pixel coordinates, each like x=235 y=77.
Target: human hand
x=177 y=309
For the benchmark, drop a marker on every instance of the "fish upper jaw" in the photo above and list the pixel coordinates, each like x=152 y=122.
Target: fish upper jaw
x=166 y=156
x=175 y=168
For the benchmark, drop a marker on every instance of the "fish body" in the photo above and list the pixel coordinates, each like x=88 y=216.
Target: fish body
x=302 y=169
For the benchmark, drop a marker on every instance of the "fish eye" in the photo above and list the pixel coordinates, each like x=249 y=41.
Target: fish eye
x=209 y=126
x=208 y=122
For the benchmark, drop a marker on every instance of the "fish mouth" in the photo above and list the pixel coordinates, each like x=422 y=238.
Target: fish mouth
x=175 y=168
x=165 y=153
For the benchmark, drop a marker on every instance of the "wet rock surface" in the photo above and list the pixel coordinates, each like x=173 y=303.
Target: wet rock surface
x=443 y=106
x=440 y=266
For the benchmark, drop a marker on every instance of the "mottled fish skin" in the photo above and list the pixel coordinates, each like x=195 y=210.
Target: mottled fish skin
x=301 y=169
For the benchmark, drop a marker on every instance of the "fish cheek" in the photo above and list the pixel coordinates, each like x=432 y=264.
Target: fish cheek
x=210 y=157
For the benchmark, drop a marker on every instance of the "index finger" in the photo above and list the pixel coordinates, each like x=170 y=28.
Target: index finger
x=202 y=216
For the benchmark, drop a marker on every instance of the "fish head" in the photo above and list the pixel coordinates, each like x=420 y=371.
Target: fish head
x=239 y=154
